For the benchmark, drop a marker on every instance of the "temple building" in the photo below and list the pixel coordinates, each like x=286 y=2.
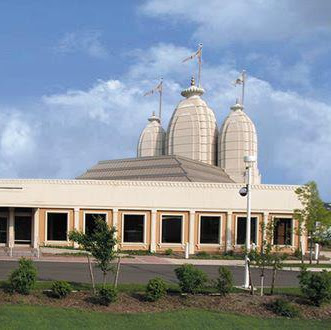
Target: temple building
x=181 y=190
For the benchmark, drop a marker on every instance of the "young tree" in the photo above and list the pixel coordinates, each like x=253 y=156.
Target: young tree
x=100 y=243
x=313 y=215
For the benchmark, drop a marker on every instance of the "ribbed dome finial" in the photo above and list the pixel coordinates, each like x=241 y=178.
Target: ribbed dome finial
x=192 y=90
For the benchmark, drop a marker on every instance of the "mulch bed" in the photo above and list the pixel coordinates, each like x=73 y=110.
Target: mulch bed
x=240 y=303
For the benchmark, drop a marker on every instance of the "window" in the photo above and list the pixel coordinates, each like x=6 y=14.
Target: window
x=133 y=228
x=57 y=226
x=283 y=231
x=241 y=230
x=210 y=230
x=172 y=228
x=3 y=229
x=90 y=221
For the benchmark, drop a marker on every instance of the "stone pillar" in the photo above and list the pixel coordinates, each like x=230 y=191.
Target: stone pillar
x=229 y=231
x=265 y=223
x=36 y=240
x=76 y=224
x=191 y=232
x=153 y=231
x=115 y=224
x=11 y=236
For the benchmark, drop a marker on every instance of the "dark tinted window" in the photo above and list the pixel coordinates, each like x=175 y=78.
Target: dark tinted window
x=283 y=232
x=209 y=230
x=133 y=228
x=90 y=221
x=171 y=229
x=241 y=230
x=57 y=226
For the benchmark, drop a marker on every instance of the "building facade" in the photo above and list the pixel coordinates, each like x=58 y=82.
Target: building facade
x=148 y=215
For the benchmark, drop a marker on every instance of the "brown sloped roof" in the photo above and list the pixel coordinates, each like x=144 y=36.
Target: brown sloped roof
x=161 y=168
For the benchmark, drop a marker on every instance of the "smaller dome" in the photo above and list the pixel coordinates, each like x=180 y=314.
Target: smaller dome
x=238 y=139
x=152 y=139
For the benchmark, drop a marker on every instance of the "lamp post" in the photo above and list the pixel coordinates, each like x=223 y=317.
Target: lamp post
x=249 y=161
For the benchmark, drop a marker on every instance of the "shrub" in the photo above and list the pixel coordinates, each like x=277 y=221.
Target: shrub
x=283 y=308
x=191 y=279
x=168 y=252
x=316 y=286
x=107 y=295
x=224 y=282
x=203 y=254
x=60 y=289
x=23 y=279
x=156 y=289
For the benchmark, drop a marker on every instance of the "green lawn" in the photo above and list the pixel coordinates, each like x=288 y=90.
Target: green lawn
x=33 y=317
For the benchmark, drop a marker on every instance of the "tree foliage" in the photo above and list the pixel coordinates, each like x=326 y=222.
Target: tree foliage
x=100 y=243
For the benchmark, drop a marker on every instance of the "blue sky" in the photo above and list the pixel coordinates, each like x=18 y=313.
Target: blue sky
x=73 y=74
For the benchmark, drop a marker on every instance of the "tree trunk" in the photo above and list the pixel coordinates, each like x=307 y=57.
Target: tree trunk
x=91 y=273
x=273 y=280
x=301 y=248
x=250 y=278
x=104 y=279
x=117 y=272
x=311 y=250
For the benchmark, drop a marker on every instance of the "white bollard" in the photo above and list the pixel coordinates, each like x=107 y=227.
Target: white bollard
x=317 y=251
x=187 y=250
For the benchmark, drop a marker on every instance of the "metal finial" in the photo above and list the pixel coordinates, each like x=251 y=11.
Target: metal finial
x=192 y=81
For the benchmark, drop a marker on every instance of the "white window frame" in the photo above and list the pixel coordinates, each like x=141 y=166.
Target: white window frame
x=92 y=212
x=220 y=230
x=290 y=217
x=122 y=228
x=46 y=226
x=256 y=229
x=182 y=229
x=5 y=215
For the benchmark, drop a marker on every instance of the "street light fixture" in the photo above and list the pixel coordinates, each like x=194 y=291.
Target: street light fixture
x=249 y=161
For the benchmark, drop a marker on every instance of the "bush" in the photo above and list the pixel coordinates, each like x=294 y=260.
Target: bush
x=23 y=279
x=203 y=254
x=107 y=295
x=156 y=289
x=191 y=279
x=283 y=308
x=316 y=286
x=60 y=289
x=168 y=252
x=224 y=282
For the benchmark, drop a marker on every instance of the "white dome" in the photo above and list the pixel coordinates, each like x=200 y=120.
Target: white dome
x=152 y=139
x=192 y=131
x=238 y=139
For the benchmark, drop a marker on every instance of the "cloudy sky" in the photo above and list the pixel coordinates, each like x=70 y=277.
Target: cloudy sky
x=73 y=74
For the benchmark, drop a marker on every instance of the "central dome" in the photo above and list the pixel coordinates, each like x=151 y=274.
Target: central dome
x=192 y=131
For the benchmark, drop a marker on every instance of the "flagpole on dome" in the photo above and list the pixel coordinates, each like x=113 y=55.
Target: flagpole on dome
x=197 y=54
x=160 y=92
x=157 y=88
x=241 y=80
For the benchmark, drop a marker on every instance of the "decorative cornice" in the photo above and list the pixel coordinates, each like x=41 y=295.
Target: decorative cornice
x=117 y=183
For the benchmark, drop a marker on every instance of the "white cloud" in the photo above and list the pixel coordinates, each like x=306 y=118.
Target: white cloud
x=228 y=21
x=87 y=42
x=77 y=128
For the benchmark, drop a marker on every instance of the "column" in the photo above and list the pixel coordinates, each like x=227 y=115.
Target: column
x=115 y=224
x=265 y=224
x=35 y=243
x=11 y=236
x=229 y=231
x=153 y=231
x=76 y=224
x=191 y=232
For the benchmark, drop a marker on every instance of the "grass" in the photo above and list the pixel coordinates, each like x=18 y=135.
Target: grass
x=39 y=317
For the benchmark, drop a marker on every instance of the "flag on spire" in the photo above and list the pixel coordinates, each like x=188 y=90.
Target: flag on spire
x=156 y=89
x=197 y=54
x=240 y=80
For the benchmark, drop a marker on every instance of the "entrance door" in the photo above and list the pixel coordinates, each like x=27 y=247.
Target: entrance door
x=3 y=230
x=22 y=229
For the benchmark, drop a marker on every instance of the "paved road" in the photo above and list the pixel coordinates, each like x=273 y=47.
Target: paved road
x=138 y=273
